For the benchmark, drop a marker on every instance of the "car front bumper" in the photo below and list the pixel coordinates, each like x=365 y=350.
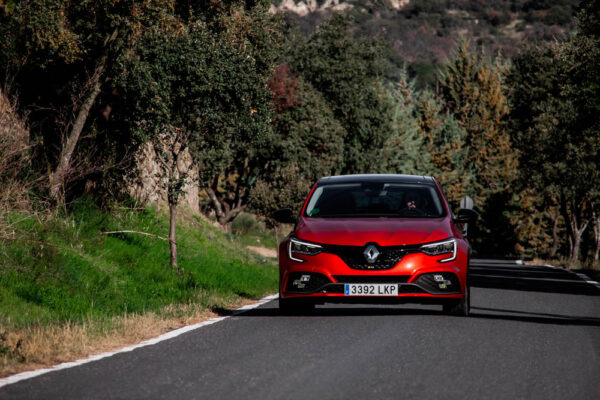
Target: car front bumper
x=419 y=278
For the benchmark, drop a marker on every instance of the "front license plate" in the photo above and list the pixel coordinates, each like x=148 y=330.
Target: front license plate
x=370 y=289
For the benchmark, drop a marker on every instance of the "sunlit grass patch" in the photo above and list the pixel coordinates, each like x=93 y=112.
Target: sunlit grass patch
x=65 y=273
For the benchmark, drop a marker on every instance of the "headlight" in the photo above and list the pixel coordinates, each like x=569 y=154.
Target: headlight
x=297 y=246
x=445 y=247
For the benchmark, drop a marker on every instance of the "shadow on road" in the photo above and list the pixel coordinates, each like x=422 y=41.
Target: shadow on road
x=476 y=313
x=530 y=278
x=509 y=283
x=540 y=318
x=340 y=312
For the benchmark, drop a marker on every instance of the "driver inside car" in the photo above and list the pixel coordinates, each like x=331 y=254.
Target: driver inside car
x=413 y=202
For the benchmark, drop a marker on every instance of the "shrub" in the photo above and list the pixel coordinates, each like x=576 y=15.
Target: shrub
x=14 y=153
x=245 y=223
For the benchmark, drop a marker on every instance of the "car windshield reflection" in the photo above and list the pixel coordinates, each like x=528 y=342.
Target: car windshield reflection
x=375 y=200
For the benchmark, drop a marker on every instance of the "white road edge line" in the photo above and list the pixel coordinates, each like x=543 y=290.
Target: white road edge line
x=165 y=336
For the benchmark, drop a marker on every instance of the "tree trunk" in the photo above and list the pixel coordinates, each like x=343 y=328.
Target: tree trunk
x=225 y=212
x=555 y=234
x=575 y=249
x=575 y=232
x=276 y=229
x=575 y=227
x=596 y=221
x=172 y=242
x=57 y=177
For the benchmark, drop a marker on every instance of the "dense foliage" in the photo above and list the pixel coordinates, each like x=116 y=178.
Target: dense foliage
x=349 y=74
x=265 y=109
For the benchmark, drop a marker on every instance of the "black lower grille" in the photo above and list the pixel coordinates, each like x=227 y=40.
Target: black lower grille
x=439 y=282
x=371 y=278
x=410 y=289
x=297 y=282
x=333 y=288
x=354 y=256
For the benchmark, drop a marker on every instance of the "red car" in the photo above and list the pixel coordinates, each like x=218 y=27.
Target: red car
x=375 y=239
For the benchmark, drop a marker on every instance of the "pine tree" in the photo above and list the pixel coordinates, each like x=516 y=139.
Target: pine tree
x=405 y=151
x=444 y=141
x=473 y=91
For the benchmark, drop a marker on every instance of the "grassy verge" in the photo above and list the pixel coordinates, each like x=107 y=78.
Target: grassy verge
x=67 y=290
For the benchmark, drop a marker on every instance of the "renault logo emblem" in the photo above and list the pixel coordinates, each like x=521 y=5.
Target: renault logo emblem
x=371 y=253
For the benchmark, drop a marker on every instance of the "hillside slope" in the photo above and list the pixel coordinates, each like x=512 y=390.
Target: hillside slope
x=68 y=289
x=425 y=31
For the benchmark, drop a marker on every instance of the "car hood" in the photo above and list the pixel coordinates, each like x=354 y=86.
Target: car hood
x=383 y=231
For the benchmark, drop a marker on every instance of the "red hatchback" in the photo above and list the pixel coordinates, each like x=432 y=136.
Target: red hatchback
x=375 y=239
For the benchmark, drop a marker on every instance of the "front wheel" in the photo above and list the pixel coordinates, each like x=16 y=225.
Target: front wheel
x=460 y=307
x=295 y=306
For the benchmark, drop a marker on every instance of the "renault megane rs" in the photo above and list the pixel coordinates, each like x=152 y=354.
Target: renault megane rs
x=375 y=239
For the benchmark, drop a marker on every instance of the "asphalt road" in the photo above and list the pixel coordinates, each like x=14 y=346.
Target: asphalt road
x=518 y=344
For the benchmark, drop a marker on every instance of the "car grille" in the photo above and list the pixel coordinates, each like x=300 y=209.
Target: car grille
x=353 y=256
x=371 y=278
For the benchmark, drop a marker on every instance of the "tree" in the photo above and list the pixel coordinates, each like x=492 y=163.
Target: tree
x=307 y=145
x=533 y=98
x=472 y=89
x=444 y=141
x=163 y=82
x=61 y=54
x=241 y=111
x=348 y=73
x=589 y=18
x=404 y=151
x=589 y=31
x=209 y=79
x=556 y=103
x=580 y=175
x=170 y=148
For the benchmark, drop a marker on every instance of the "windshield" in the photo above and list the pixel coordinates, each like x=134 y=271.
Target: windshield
x=375 y=199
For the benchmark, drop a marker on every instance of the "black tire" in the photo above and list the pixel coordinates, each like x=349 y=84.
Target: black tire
x=461 y=307
x=296 y=306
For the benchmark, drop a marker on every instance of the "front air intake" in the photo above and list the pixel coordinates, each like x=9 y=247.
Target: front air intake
x=439 y=283
x=305 y=282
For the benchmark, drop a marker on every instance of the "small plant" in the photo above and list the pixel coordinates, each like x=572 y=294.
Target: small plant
x=7 y=351
x=4 y=348
x=245 y=224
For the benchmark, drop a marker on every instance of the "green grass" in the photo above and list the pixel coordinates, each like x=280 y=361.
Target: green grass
x=65 y=270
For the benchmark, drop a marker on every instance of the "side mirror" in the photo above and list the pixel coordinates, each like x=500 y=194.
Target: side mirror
x=466 y=202
x=284 y=216
x=466 y=216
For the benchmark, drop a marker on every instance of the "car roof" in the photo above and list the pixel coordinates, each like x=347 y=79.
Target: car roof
x=387 y=178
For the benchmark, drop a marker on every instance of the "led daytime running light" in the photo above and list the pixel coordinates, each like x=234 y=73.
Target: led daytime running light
x=436 y=249
x=301 y=247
